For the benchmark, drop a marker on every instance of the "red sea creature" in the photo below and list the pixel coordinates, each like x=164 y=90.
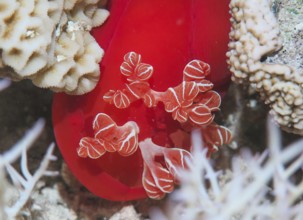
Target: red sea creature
x=127 y=138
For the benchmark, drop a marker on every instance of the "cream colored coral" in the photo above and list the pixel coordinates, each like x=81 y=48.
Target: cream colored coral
x=255 y=35
x=48 y=41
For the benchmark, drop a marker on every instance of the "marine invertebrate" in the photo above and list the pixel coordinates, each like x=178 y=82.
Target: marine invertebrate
x=190 y=102
x=255 y=35
x=206 y=193
x=49 y=42
x=24 y=181
x=137 y=120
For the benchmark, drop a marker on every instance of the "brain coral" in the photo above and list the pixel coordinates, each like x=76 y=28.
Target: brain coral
x=49 y=42
x=255 y=35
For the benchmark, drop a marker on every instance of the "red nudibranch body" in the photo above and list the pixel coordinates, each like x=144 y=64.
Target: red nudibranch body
x=126 y=139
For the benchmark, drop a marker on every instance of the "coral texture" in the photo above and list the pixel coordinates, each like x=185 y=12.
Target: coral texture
x=255 y=35
x=267 y=183
x=14 y=196
x=49 y=42
x=127 y=212
x=47 y=203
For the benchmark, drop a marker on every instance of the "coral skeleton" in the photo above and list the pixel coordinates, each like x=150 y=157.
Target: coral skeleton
x=263 y=186
x=24 y=182
x=127 y=212
x=49 y=42
x=254 y=36
x=48 y=203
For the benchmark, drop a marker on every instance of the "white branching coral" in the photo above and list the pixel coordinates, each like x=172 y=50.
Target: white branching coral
x=255 y=35
x=257 y=186
x=24 y=181
x=49 y=42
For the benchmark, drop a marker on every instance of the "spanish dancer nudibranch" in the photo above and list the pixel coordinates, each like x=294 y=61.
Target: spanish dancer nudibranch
x=127 y=138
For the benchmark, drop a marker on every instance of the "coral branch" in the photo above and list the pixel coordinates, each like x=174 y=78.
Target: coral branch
x=14 y=153
x=205 y=192
x=28 y=181
x=25 y=181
